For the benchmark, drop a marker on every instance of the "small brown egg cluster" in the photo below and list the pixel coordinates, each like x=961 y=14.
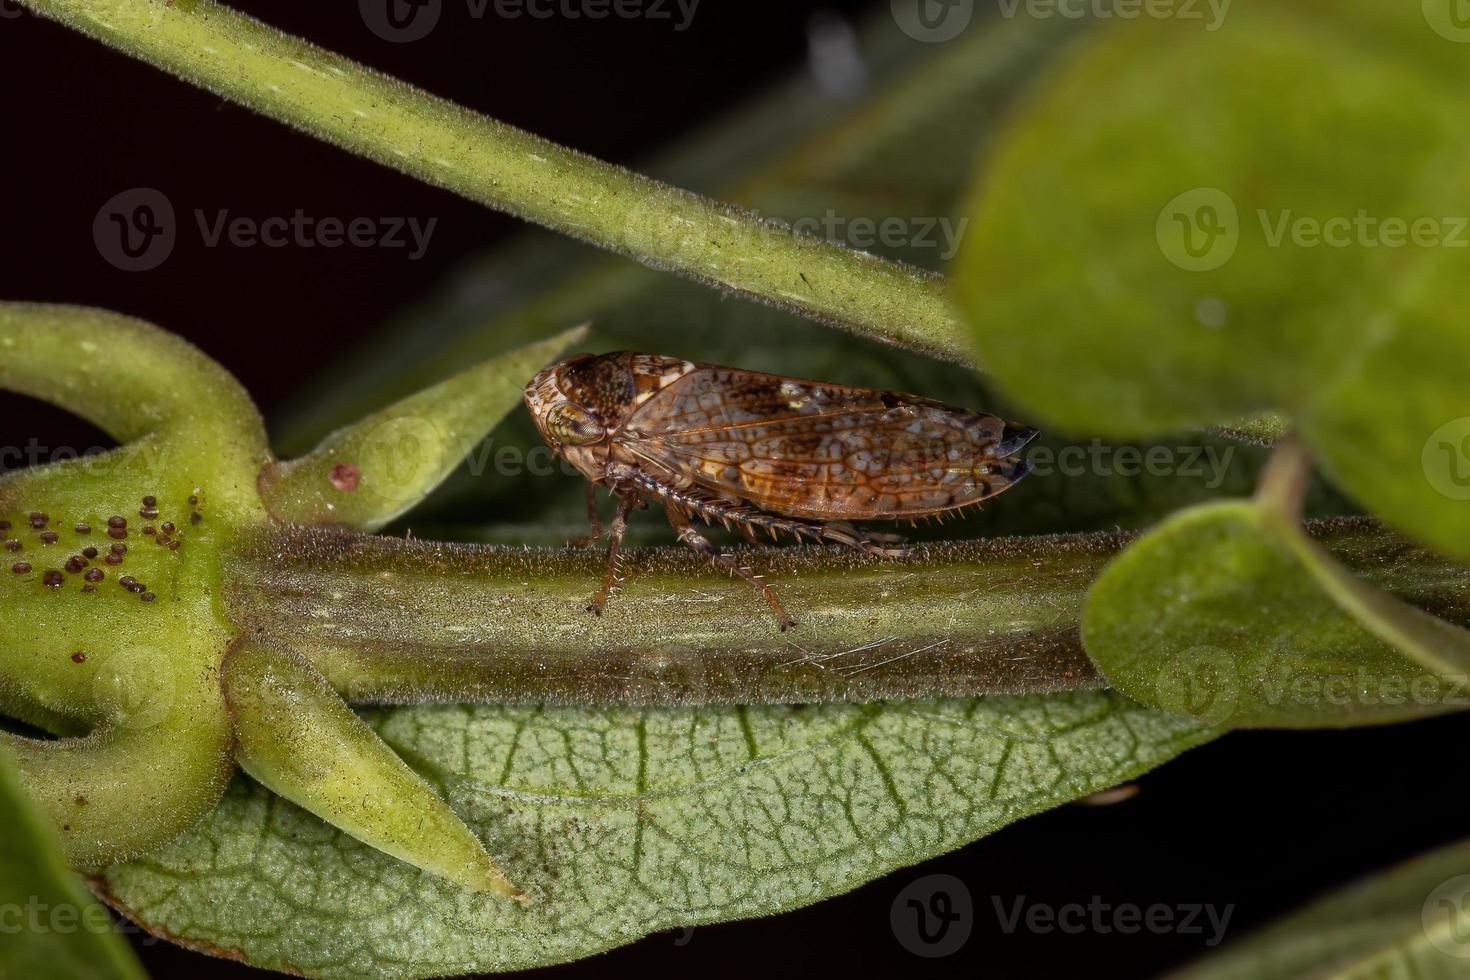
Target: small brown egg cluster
x=165 y=534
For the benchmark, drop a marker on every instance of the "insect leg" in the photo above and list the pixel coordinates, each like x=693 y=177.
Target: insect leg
x=612 y=576
x=714 y=510
x=873 y=543
x=691 y=537
x=592 y=519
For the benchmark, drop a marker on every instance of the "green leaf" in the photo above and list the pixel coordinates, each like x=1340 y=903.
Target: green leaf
x=1441 y=646
x=1408 y=921
x=1166 y=243
x=366 y=474
x=621 y=823
x=52 y=928
x=1218 y=614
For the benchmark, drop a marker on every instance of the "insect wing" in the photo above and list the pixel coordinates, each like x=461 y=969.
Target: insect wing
x=821 y=451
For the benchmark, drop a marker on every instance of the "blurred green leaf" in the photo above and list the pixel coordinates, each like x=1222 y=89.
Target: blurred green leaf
x=1259 y=217
x=1412 y=921
x=1218 y=615
x=51 y=927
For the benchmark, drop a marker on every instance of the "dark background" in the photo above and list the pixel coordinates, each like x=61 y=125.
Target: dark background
x=1259 y=821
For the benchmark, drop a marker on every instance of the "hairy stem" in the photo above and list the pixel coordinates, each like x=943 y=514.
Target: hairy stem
x=510 y=170
x=389 y=620
x=392 y=621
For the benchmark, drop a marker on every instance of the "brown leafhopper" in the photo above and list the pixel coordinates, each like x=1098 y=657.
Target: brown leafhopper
x=764 y=452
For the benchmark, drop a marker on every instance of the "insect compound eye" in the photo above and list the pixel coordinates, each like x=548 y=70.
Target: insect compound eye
x=573 y=426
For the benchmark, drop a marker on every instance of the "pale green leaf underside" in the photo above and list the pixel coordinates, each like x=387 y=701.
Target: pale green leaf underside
x=622 y=823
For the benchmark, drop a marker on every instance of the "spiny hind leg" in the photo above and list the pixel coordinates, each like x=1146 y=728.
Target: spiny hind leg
x=691 y=537
x=876 y=543
x=748 y=521
x=593 y=520
x=612 y=574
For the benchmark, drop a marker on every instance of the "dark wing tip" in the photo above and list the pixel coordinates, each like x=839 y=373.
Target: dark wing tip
x=1013 y=439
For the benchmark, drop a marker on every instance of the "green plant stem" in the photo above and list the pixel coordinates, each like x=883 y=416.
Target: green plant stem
x=505 y=168
x=398 y=621
x=388 y=620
